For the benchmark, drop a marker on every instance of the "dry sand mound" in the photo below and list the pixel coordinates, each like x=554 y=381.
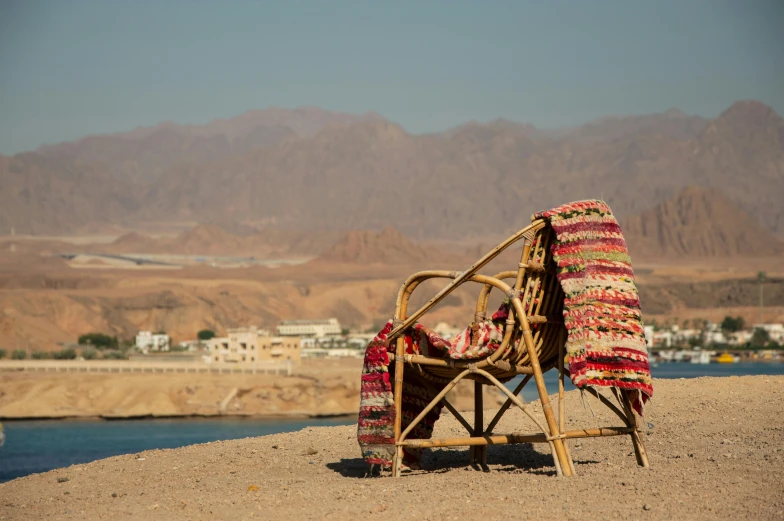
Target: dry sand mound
x=715 y=448
x=366 y=247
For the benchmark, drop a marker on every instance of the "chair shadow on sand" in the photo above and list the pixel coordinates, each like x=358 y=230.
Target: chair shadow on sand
x=500 y=458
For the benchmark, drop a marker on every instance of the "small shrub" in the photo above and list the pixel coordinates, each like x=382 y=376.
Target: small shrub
x=18 y=354
x=39 y=355
x=99 y=340
x=89 y=354
x=65 y=354
x=114 y=355
x=3 y=353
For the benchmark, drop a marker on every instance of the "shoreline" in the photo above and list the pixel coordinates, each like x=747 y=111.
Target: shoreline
x=325 y=389
x=293 y=416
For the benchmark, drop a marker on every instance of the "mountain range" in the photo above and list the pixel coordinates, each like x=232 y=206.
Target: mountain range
x=309 y=169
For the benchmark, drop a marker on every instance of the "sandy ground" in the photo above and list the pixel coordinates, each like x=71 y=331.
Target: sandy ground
x=716 y=447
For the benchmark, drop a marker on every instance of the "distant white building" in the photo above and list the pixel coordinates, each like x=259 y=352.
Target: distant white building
x=310 y=328
x=251 y=344
x=648 y=330
x=447 y=331
x=147 y=341
x=684 y=335
x=663 y=338
x=359 y=340
x=739 y=338
x=715 y=337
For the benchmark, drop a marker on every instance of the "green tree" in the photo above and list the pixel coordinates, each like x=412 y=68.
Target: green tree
x=115 y=355
x=89 y=354
x=19 y=354
x=732 y=324
x=99 y=341
x=3 y=353
x=39 y=355
x=760 y=338
x=205 y=334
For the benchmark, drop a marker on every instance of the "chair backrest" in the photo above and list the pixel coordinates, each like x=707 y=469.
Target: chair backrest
x=543 y=299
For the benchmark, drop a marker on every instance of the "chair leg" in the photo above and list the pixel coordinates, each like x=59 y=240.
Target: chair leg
x=556 y=444
x=559 y=453
x=478 y=453
x=631 y=421
x=562 y=408
x=397 y=460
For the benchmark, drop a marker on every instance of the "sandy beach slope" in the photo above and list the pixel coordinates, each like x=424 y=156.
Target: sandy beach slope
x=716 y=447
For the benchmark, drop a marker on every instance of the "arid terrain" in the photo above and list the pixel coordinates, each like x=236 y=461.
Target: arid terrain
x=45 y=302
x=716 y=447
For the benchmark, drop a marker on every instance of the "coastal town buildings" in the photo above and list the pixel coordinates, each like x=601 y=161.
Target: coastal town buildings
x=251 y=344
x=711 y=334
x=318 y=329
x=147 y=341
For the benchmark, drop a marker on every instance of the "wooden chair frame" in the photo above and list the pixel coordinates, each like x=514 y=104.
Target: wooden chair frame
x=536 y=353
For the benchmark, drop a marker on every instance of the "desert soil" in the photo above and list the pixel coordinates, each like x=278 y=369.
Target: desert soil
x=716 y=447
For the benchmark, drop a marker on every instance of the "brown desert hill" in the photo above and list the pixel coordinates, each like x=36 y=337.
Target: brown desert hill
x=211 y=239
x=206 y=240
x=297 y=243
x=131 y=242
x=199 y=240
x=367 y=247
x=367 y=173
x=697 y=222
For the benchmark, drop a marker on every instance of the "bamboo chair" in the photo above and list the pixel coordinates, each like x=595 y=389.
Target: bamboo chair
x=536 y=353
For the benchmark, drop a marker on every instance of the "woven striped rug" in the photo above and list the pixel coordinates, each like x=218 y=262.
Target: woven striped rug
x=606 y=343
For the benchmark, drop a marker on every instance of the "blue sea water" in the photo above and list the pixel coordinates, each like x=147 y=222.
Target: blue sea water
x=38 y=446
x=666 y=371
x=41 y=445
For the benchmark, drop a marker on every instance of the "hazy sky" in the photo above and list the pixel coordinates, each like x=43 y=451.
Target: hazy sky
x=71 y=68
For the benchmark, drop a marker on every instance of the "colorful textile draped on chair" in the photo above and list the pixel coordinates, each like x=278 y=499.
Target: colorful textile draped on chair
x=605 y=345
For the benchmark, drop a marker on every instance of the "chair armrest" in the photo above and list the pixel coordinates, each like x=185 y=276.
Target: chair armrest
x=459 y=278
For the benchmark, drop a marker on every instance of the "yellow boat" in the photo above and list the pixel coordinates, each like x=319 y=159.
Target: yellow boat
x=726 y=358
